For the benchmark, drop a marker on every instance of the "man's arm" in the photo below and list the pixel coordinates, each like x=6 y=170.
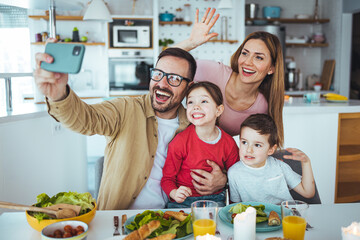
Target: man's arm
x=208 y=183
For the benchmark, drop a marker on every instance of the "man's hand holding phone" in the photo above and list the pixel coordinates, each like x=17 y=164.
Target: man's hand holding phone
x=58 y=60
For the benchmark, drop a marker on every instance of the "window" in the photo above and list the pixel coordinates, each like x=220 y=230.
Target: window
x=15 y=52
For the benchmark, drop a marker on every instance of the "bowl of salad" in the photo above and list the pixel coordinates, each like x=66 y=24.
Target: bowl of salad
x=39 y=220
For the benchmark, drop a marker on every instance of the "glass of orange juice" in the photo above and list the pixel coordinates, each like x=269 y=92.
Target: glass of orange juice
x=204 y=214
x=293 y=215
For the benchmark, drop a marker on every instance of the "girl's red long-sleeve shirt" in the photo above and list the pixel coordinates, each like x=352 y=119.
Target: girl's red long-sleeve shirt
x=187 y=151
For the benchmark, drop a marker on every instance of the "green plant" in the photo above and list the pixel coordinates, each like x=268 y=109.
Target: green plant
x=165 y=42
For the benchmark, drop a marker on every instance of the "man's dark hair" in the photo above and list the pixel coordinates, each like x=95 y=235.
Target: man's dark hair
x=263 y=124
x=180 y=53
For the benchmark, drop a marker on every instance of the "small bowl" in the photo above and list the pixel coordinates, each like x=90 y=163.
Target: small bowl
x=50 y=229
x=38 y=226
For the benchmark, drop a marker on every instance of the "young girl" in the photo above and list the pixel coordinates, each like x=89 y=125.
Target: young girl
x=199 y=142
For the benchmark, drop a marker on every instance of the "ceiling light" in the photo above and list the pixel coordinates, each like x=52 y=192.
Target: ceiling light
x=97 y=11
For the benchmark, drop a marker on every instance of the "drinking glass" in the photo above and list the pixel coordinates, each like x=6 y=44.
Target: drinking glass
x=293 y=215
x=204 y=214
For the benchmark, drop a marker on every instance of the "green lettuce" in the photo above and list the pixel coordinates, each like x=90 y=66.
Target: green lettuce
x=85 y=200
x=260 y=214
x=170 y=225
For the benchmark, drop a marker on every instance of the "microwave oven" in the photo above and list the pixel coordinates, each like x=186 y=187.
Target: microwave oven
x=131 y=36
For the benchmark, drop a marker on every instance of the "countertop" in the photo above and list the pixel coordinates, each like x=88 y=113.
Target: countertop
x=293 y=106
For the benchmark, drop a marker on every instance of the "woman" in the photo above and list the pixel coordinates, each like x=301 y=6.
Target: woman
x=254 y=83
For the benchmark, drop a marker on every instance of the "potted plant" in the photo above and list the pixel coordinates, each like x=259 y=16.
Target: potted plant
x=164 y=43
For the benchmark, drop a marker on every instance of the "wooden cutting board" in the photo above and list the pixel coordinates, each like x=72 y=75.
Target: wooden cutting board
x=327 y=74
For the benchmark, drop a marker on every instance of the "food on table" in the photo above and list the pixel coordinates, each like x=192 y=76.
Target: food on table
x=168 y=223
x=181 y=216
x=239 y=208
x=274 y=219
x=144 y=231
x=335 y=97
x=167 y=236
x=276 y=238
x=85 y=200
x=69 y=231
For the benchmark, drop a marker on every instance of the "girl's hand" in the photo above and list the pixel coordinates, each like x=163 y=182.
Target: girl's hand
x=200 y=31
x=180 y=194
x=297 y=155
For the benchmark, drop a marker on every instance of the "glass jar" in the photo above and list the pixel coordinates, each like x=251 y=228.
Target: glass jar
x=187 y=13
x=179 y=15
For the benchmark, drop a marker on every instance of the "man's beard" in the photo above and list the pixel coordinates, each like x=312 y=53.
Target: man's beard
x=162 y=108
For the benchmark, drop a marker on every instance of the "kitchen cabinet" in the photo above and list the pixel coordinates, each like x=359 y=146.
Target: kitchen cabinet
x=290 y=20
x=348 y=159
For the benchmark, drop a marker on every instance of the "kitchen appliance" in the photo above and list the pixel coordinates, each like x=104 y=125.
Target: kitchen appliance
x=130 y=33
x=251 y=10
x=279 y=31
x=131 y=36
x=292 y=76
x=271 y=11
x=130 y=69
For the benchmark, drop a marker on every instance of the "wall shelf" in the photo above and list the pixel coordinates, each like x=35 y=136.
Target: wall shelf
x=175 y=22
x=307 y=44
x=65 y=18
x=224 y=41
x=84 y=43
x=289 y=20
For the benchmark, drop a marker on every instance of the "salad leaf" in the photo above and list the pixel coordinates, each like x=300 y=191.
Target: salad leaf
x=260 y=214
x=170 y=225
x=85 y=200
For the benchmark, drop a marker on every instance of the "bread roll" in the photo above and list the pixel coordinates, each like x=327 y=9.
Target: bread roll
x=177 y=215
x=274 y=219
x=167 y=236
x=143 y=231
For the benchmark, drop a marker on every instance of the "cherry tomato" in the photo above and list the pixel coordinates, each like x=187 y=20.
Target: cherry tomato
x=233 y=215
x=80 y=232
x=166 y=216
x=80 y=228
x=68 y=228
x=67 y=234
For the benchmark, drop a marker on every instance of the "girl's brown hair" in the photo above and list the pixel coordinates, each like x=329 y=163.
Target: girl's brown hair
x=272 y=87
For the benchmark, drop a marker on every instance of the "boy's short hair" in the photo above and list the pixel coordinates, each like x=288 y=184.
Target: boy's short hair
x=263 y=124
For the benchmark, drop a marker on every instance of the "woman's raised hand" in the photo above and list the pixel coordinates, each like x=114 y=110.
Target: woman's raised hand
x=51 y=84
x=200 y=31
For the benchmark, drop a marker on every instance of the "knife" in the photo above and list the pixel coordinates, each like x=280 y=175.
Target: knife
x=123 y=220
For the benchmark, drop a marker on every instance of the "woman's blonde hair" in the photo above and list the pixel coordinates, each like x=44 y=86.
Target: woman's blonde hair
x=272 y=87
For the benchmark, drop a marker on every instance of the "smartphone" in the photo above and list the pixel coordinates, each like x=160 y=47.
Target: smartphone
x=67 y=57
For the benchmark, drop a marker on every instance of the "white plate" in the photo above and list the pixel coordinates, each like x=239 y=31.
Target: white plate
x=116 y=237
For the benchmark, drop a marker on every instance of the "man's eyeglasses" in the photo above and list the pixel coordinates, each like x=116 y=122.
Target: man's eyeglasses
x=173 y=79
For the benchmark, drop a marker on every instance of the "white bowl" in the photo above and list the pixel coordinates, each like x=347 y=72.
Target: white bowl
x=50 y=229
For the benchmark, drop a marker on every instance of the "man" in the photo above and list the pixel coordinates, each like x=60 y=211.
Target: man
x=137 y=131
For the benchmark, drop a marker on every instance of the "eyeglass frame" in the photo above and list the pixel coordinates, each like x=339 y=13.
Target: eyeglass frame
x=167 y=79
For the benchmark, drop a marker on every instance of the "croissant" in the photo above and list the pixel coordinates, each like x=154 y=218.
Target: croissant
x=143 y=231
x=167 y=236
x=274 y=219
x=181 y=216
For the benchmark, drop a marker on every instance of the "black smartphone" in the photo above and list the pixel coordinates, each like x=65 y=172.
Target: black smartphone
x=67 y=57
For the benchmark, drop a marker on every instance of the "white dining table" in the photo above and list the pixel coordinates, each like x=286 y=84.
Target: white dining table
x=327 y=220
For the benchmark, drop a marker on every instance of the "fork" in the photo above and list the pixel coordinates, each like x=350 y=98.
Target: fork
x=116 y=225
x=297 y=213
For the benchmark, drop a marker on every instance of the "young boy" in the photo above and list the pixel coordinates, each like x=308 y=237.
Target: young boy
x=260 y=177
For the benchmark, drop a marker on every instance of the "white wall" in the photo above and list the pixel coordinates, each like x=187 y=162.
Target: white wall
x=33 y=160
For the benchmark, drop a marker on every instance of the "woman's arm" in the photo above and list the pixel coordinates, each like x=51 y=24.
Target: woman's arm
x=200 y=31
x=307 y=186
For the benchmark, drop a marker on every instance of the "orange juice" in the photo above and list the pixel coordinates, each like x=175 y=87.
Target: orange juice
x=294 y=227
x=203 y=226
